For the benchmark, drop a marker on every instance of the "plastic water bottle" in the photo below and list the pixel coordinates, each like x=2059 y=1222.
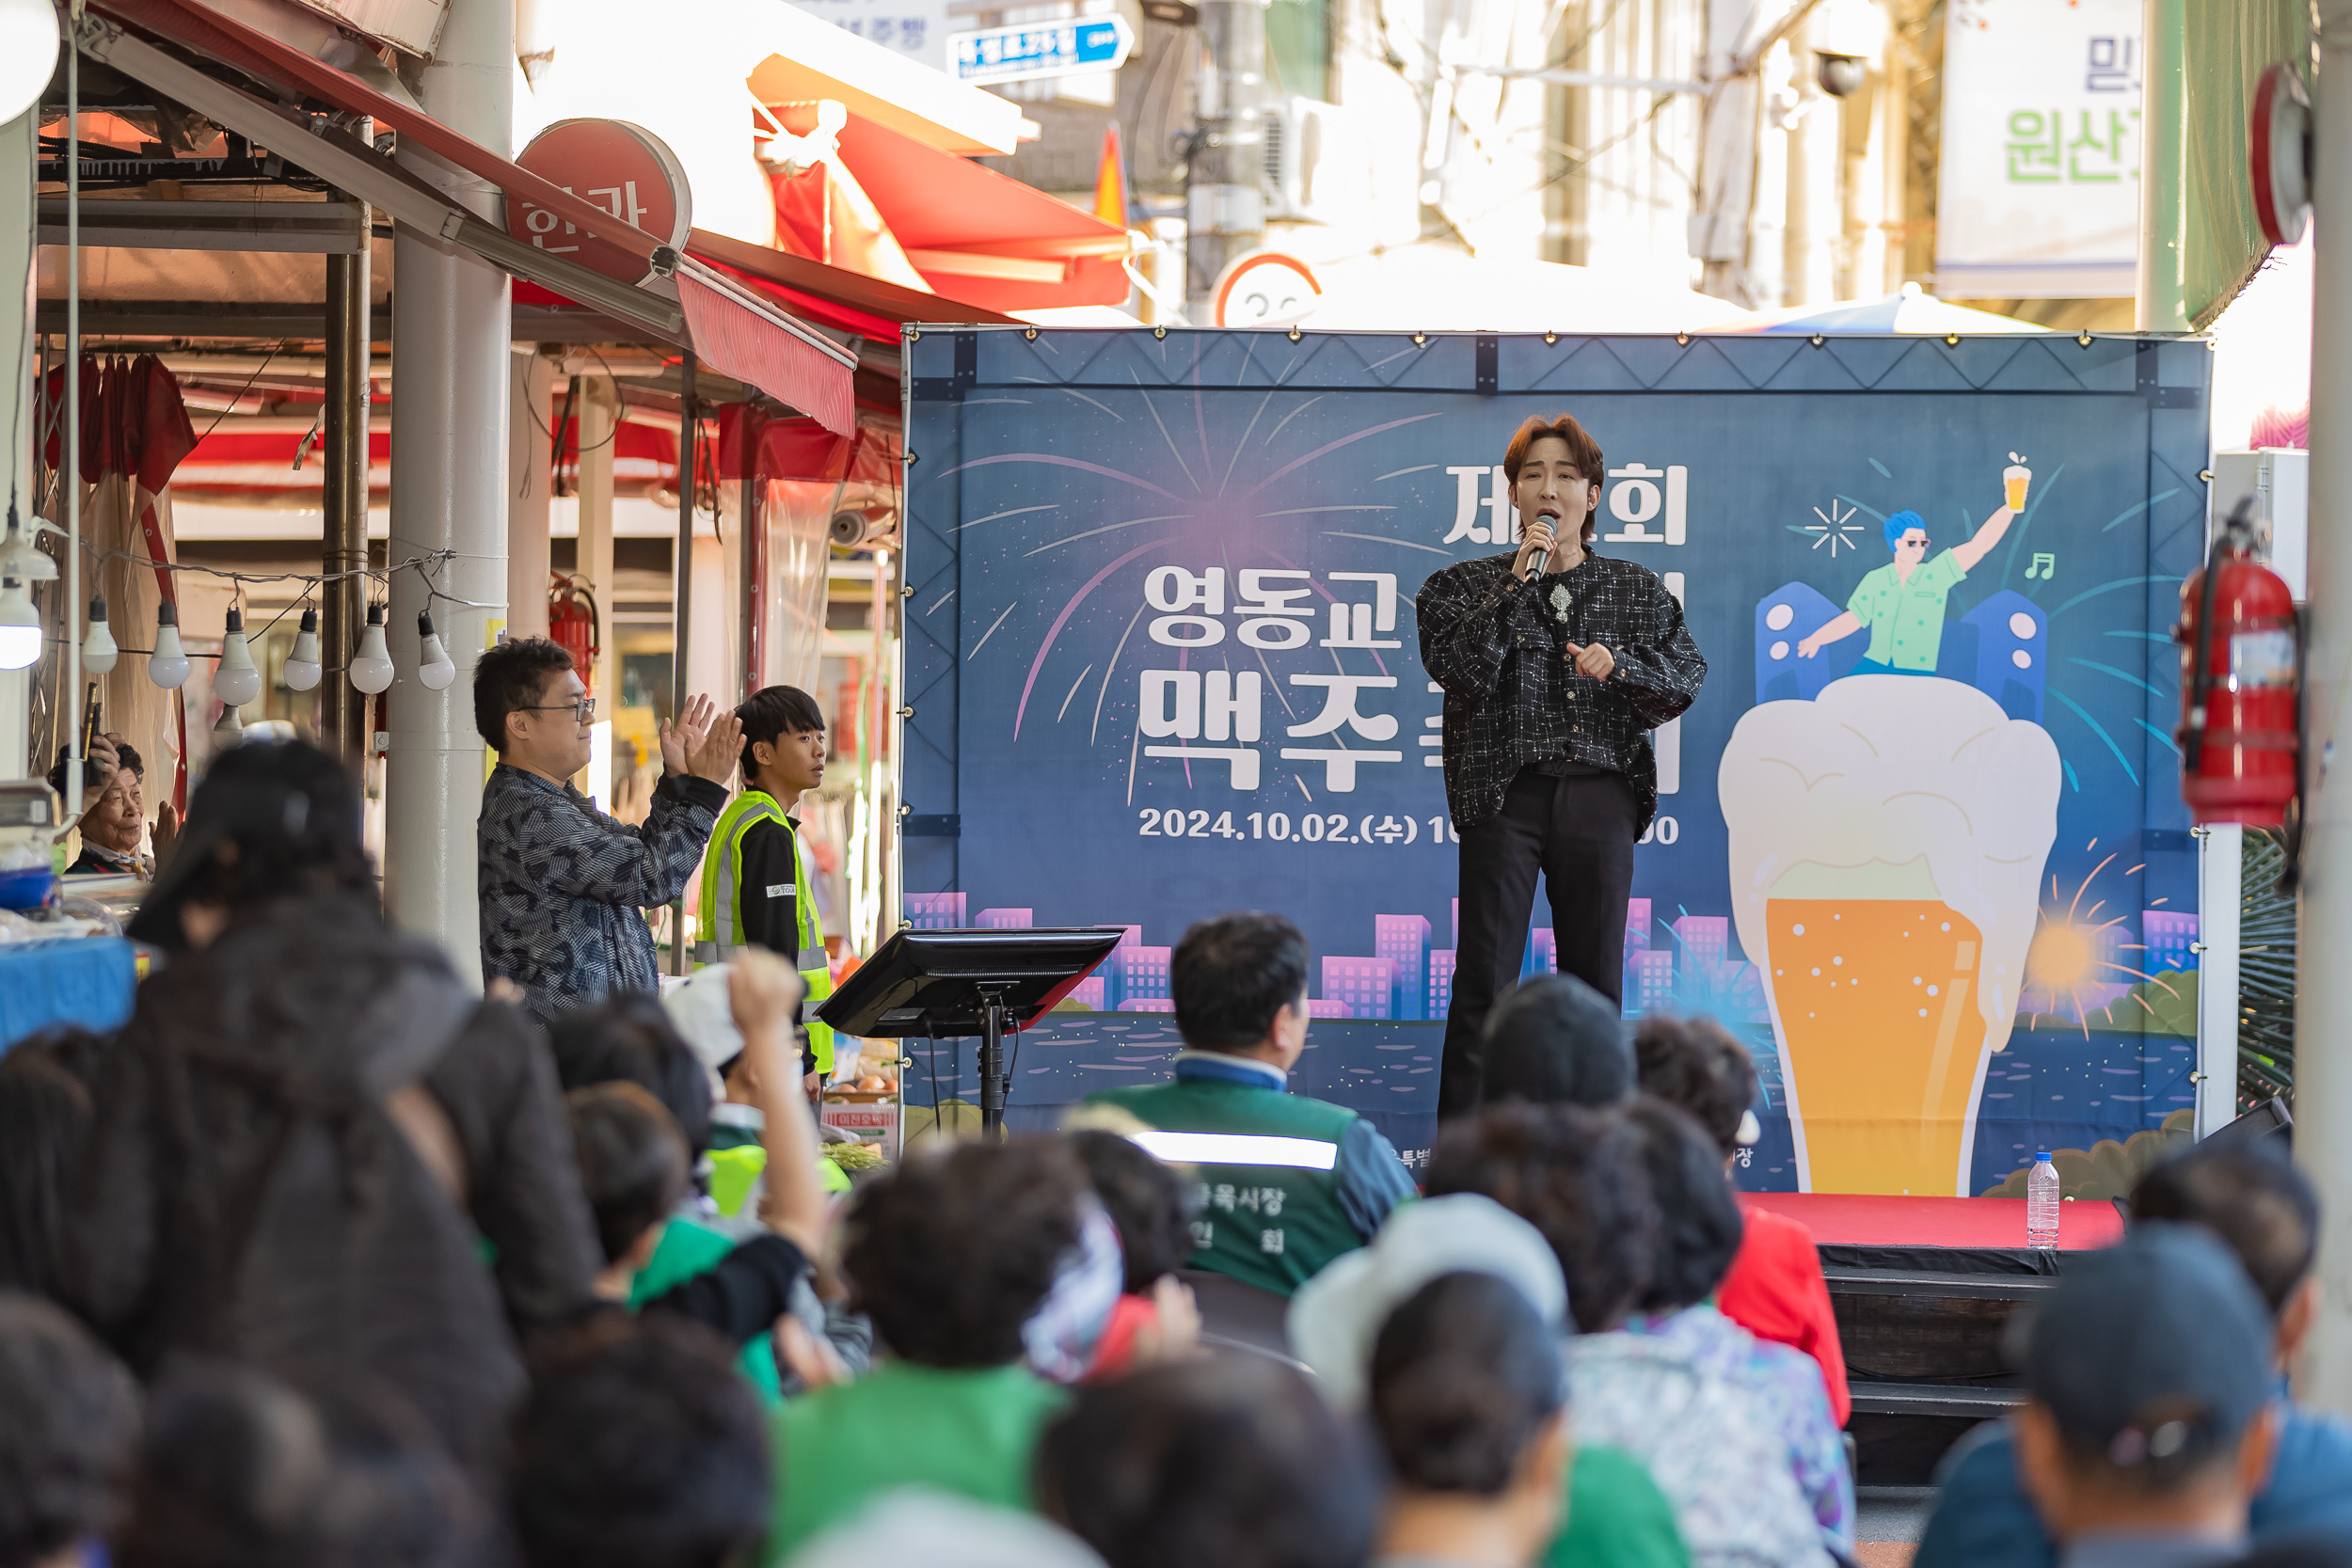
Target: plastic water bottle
x=2041 y=1205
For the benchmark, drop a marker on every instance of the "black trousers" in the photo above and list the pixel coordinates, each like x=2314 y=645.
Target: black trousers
x=1577 y=831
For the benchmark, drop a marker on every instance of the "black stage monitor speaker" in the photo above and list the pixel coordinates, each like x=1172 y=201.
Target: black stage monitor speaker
x=990 y=982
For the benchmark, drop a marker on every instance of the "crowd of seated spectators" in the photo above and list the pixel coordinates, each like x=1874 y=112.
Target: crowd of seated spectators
x=324 y=1260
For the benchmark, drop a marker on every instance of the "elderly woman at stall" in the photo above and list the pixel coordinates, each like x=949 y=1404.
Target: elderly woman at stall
x=114 y=818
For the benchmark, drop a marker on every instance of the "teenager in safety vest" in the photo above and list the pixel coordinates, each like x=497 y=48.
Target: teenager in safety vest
x=758 y=886
x=1287 y=1184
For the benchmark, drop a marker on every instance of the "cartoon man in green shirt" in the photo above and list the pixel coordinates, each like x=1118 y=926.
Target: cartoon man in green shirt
x=1902 y=603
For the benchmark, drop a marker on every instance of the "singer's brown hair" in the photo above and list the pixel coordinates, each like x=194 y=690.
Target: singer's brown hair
x=1582 y=451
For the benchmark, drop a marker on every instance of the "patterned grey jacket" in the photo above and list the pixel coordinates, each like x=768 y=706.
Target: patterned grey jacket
x=563 y=885
x=1512 y=698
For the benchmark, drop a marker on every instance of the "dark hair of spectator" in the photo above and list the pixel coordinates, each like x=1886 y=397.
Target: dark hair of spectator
x=1582 y=451
x=395 y=1499
x=241 y=1470
x=1232 y=1461
x=773 y=711
x=1699 y=1222
x=2256 y=1203
x=1694 y=1063
x=44 y=1120
x=1151 y=1209
x=2318 y=1551
x=273 y=821
x=949 y=1254
x=230 y=1475
x=633 y=1162
x=69 y=1423
x=1228 y=976
x=511 y=677
x=630 y=1039
x=1576 y=1174
x=126 y=757
x=640 y=1448
x=1464 y=1375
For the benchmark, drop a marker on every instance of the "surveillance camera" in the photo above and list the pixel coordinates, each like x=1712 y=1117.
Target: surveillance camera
x=1840 y=74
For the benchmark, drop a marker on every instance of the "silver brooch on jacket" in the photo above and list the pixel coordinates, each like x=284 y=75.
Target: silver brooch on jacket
x=1559 y=603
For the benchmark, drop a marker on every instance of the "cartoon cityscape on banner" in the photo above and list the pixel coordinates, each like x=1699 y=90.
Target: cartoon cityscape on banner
x=1684 y=965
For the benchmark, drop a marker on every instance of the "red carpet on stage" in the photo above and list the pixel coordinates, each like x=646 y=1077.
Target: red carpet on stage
x=1838 y=1219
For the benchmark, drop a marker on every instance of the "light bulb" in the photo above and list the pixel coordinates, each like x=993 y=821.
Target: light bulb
x=19 y=557
x=167 y=666
x=435 y=670
x=97 y=648
x=237 y=682
x=301 y=668
x=29 y=53
x=371 y=664
x=20 y=626
x=228 y=729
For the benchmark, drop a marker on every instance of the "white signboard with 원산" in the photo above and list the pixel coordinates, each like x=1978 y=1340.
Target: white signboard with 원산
x=2039 y=192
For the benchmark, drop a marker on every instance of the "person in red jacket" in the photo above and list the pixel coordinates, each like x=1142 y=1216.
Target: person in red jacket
x=1774 y=1290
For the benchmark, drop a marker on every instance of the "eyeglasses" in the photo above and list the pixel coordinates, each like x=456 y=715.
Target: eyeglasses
x=584 y=710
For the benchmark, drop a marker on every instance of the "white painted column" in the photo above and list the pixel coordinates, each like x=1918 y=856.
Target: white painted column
x=451 y=335
x=2323 y=1004
x=592 y=439
x=16 y=436
x=1768 y=223
x=599 y=411
x=529 y=455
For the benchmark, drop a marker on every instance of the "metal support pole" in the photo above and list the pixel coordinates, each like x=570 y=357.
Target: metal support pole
x=995 y=1083
x=68 y=714
x=683 y=575
x=2323 y=1003
x=752 y=520
x=20 y=467
x=452 y=333
x=2220 y=849
x=343 y=708
x=1225 y=185
x=2160 y=303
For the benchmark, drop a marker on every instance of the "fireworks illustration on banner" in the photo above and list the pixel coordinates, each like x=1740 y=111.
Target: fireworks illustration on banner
x=1214 y=546
x=2076 y=963
x=1837 y=527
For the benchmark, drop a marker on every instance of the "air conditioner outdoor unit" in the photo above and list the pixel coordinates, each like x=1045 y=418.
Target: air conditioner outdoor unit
x=1307 y=147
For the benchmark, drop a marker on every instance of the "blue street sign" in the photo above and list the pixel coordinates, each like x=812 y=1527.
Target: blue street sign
x=1031 y=49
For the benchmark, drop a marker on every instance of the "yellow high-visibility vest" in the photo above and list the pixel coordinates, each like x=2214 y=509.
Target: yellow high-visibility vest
x=721 y=907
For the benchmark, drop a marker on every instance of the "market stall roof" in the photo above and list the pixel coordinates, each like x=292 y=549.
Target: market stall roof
x=872 y=307
x=740 y=331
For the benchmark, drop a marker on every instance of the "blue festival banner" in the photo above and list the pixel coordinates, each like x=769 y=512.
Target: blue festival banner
x=1919 y=841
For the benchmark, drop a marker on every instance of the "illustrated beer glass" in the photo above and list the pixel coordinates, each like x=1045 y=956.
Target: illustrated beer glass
x=2014 y=479
x=1886 y=842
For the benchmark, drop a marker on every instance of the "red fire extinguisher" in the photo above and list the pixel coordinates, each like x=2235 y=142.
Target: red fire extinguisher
x=2241 y=686
x=572 y=625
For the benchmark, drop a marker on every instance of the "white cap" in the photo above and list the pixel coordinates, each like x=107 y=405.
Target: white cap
x=1336 y=1317
x=913 y=1528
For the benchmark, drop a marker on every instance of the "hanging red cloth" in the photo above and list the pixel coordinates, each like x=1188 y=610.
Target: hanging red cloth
x=133 y=423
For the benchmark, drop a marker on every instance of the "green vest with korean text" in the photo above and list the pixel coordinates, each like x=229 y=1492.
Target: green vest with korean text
x=720 y=930
x=1269 y=1166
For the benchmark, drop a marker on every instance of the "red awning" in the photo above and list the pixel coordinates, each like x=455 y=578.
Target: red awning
x=750 y=336
x=870 y=307
x=981 y=236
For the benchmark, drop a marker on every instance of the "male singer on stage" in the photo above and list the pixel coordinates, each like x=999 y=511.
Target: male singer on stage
x=1556 y=663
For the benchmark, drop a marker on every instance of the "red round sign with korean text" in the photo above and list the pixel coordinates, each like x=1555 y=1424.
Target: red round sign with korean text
x=623 y=169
